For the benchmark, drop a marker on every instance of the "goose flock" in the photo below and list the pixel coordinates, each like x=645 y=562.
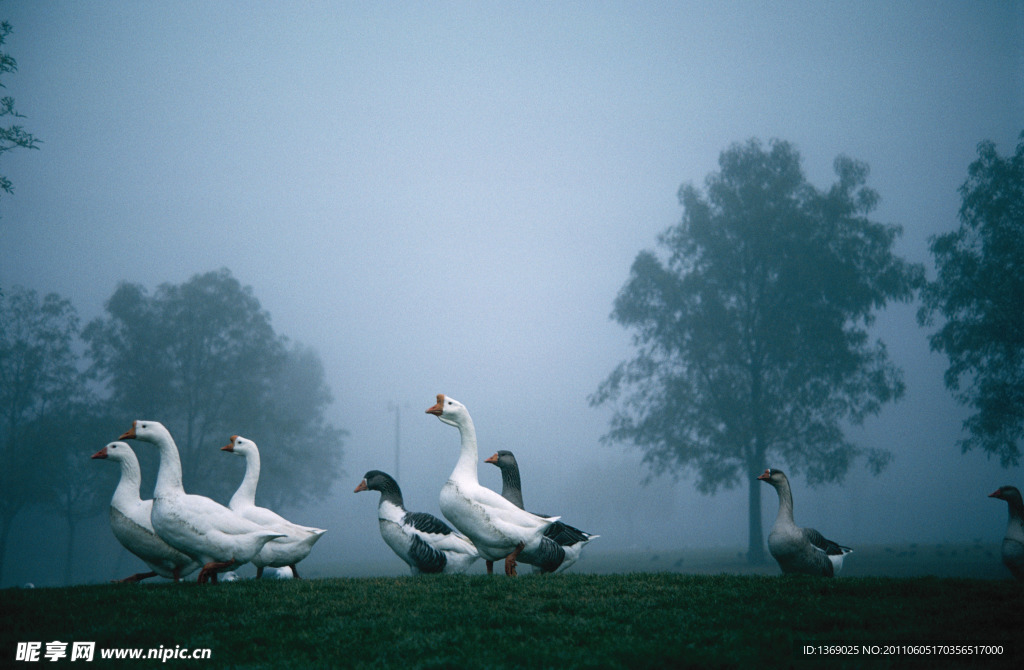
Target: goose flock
x=177 y=533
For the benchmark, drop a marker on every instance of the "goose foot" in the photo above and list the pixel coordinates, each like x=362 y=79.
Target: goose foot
x=137 y=577
x=510 y=560
x=209 y=571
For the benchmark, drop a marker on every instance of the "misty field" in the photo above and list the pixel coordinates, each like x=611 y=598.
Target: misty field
x=635 y=620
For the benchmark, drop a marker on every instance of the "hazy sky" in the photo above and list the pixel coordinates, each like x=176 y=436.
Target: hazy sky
x=446 y=197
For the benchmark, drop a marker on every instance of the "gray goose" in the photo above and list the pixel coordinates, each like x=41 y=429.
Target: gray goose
x=799 y=550
x=1013 y=543
x=426 y=543
x=562 y=543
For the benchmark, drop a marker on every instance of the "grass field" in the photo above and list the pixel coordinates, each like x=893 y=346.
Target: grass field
x=634 y=620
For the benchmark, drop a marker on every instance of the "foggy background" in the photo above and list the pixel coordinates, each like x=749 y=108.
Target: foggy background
x=446 y=198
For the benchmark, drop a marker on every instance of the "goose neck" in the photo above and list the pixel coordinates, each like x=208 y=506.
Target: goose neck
x=127 y=490
x=246 y=493
x=511 y=487
x=391 y=493
x=785 y=501
x=168 y=478
x=465 y=468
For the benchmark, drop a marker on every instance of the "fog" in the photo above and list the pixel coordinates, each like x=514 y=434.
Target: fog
x=446 y=198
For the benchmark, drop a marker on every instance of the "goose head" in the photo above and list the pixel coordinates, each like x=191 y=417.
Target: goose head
x=1008 y=493
x=115 y=451
x=450 y=411
x=147 y=431
x=503 y=459
x=773 y=476
x=239 y=445
x=375 y=480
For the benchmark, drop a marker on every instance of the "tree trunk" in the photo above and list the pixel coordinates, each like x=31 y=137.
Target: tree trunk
x=69 y=551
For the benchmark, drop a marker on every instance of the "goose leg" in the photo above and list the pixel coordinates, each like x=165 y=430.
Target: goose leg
x=510 y=560
x=137 y=577
x=490 y=567
x=259 y=572
x=295 y=573
x=209 y=571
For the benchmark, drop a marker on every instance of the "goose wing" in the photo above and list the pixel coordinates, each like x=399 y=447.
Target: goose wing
x=821 y=543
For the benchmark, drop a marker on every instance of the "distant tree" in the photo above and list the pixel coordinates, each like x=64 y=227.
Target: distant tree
x=979 y=292
x=751 y=333
x=12 y=136
x=39 y=383
x=73 y=487
x=202 y=358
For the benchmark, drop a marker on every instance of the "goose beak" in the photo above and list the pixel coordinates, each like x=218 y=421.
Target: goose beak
x=765 y=476
x=102 y=453
x=129 y=434
x=361 y=487
x=492 y=459
x=438 y=409
x=228 y=447
x=994 y=494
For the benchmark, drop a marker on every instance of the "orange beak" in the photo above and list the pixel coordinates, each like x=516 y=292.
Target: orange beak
x=102 y=453
x=492 y=459
x=765 y=476
x=438 y=409
x=361 y=487
x=130 y=434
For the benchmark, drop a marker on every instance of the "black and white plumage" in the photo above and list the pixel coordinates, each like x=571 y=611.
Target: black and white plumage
x=426 y=543
x=562 y=543
x=1013 y=542
x=799 y=550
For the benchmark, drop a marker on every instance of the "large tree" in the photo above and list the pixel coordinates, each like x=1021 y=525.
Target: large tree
x=979 y=292
x=202 y=357
x=39 y=384
x=751 y=329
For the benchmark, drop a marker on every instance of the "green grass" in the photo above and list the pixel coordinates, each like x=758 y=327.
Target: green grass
x=640 y=620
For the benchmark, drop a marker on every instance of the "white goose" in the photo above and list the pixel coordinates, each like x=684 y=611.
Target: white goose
x=298 y=540
x=498 y=528
x=799 y=550
x=426 y=543
x=1013 y=543
x=195 y=525
x=129 y=519
x=562 y=543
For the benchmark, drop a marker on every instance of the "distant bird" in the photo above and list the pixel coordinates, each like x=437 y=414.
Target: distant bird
x=130 y=521
x=1013 y=543
x=297 y=541
x=426 y=543
x=562 y=543
x=799 y=550
x=498 y=528
x=209 y=532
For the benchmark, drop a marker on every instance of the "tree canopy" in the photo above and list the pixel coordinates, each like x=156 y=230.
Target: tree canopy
x=751 y=328
x=202 y=357
x=13 y=136
x=979 y=293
